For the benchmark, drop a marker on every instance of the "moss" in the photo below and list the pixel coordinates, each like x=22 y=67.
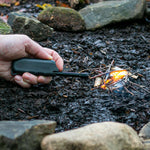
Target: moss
x=61 y=18
x=4 y=28
x=61 y=11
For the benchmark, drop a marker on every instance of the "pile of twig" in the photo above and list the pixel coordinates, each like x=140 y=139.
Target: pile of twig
x=114 y=78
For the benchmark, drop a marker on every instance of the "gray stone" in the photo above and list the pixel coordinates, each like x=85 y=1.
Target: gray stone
x=97 y=1
x=22 y=23
x=4 y=28
x=24 y=135
x=98 y=136
x=146 y=144
x=61 y=18
x=104 y=13
x=148 y=11
x=144 y=134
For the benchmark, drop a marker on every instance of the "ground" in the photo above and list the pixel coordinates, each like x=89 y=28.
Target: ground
x=72 y=102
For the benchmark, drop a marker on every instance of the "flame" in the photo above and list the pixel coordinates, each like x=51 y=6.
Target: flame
x=114 y=77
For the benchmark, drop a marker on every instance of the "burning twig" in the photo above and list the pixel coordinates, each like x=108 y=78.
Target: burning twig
x=114 y=78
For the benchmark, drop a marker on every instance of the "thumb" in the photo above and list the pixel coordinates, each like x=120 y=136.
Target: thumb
x=35 y=50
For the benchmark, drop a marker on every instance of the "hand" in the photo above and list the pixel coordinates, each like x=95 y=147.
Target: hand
x=18 y=46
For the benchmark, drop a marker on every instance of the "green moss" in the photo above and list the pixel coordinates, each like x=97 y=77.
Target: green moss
x=62 y=18
x=61 y=10
x=4 y=28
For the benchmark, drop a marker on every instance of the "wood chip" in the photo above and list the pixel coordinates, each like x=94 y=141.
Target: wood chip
x=98 y=82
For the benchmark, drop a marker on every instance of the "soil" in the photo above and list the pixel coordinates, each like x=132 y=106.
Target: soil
x=71 y=101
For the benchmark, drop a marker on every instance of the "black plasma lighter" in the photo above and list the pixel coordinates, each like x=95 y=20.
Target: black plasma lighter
x=40 y=67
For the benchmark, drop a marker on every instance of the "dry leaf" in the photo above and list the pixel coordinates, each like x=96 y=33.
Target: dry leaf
x=44 y=6
x=91 y=53
x=62 y=4
x=4 y=5
x=65 y=96
x=17 y=3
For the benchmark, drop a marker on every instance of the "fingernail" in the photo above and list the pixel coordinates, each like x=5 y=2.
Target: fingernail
x=41 y=79
x=18 y=78
x=50 y=57
x=25 y=80
x=44 y=80
x=26 y=76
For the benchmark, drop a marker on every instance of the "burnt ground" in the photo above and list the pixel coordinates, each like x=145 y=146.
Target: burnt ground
x=72 y=102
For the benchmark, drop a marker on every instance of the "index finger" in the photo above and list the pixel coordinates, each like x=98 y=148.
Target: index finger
x=56 y=57
x=35 y=50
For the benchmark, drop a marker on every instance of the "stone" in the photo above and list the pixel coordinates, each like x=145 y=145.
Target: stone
x=78 y=3
x=61 y=18
x=144 y=134
x=148 y=12
x=98 y=136
x=23 y=23
x=5 y=143
x=24 y=135
x=107 y=12
x=97 y=1
x=4 y=27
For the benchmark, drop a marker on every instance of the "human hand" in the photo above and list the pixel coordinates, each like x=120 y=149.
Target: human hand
x=18 y=46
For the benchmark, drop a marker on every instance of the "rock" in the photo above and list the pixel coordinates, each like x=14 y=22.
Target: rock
x=104 y=13
x=98 y=136
x=144 y=134
x=4 y=28
x=61 y=18
x=5 y=143
x=25 y=24
x=24 y=135
x=97 y=1
x=79 y=3
x=147 y=14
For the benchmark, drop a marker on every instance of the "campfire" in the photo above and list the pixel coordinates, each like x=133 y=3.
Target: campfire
x=114 y=78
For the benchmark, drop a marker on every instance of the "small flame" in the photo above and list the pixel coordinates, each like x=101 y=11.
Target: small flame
x=114 y=77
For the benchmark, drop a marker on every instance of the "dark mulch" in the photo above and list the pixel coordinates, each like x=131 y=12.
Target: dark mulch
x=71 y=102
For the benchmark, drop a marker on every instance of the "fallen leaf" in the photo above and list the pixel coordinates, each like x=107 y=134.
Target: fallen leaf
x=65 y=96
x=44 y=6
x=91 y=53
x=4 y=5
x=17 y=3
x=62 y=4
